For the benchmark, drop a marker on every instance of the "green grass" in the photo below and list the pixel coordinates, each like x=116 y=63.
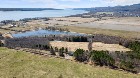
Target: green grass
x=26 y=65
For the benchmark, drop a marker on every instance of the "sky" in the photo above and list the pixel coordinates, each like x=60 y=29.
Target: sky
x=64 y=3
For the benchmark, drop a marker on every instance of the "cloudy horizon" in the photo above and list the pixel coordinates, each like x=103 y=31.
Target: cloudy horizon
x=64 y=3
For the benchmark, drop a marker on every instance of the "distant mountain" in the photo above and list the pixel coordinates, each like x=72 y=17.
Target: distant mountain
x=27 y=9
x=128 y=8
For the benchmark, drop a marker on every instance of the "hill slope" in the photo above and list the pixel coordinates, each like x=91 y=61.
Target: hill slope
x=128 y=8
x=15 y=64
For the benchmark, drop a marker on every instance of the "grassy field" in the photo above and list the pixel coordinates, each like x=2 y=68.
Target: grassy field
x=16 y=64
x=4 y=31
x=125 y=34
x=73 y=46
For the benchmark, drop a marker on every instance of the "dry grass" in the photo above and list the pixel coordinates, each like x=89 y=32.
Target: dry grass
x=4 y=31
x=78 y=26
x=15 y=64
x=119 y=33
x=73 y=46
x=134 y=21
x=109 y=47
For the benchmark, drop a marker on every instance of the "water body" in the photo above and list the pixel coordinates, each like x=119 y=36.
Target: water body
x=44 y=33
x=17 y=15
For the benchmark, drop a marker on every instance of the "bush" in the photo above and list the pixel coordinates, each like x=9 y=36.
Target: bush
x=102 y=58
x=126 y=65
x=56 y=49
x=66 y=50
x=52 y=51
x=135 y=46
x=61 y=51
x=79 y=39
x=1 y=44
x=80 y=55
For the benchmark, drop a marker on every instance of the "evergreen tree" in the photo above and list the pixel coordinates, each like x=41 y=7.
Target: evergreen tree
x=52 y=51
x=80 y=55
x=102 y=58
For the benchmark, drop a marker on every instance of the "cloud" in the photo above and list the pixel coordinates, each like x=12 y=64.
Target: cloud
x=72 y=0
x=65 y=3
x=53 y=3
x=36 y=1
x=50 y=0
x=123 y=2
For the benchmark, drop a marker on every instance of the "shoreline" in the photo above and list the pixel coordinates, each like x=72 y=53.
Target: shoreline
x=77 y=23
x=84 y=11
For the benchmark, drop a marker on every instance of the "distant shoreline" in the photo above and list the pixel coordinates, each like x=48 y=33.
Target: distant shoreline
x=40 y=13
x=27 y=9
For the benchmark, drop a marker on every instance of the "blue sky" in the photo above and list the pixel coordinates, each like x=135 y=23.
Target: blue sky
x=63 y=3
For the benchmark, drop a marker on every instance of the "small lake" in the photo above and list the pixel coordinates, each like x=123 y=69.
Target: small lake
x=45 y=33
x=17 y=15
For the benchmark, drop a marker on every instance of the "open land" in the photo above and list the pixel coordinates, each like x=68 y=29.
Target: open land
x=19 y=64
x=49 y=57
x=128 y=27
x=73 y=46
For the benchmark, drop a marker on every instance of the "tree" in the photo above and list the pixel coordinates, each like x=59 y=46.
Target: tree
x=46 y=47
x=61 y=51
x=126 y=65
x=52 y=51
x=102 y=58
x=80 y=55
x=56 y=49
x=66 y=50
x=1 y=44
x=135 y=46
x=39 y=46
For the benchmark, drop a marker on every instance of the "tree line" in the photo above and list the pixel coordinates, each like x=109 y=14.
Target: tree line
x=129 y=61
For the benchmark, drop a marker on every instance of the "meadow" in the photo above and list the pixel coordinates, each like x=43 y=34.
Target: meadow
x=19 y=64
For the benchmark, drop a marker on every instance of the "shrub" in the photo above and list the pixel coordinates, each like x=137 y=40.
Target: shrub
x=135 y=46
x=102 y=58
x=1 y=44
x=66 y=50
x=56 y=49
x=52 y=51
x=80 y=55
x=61 y=51
x=126 y=65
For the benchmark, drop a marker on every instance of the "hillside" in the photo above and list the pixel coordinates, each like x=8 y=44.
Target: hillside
x=16 y=64
x=128 y=8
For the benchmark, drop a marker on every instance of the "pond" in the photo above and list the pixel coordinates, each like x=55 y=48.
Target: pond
x=42 y=32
